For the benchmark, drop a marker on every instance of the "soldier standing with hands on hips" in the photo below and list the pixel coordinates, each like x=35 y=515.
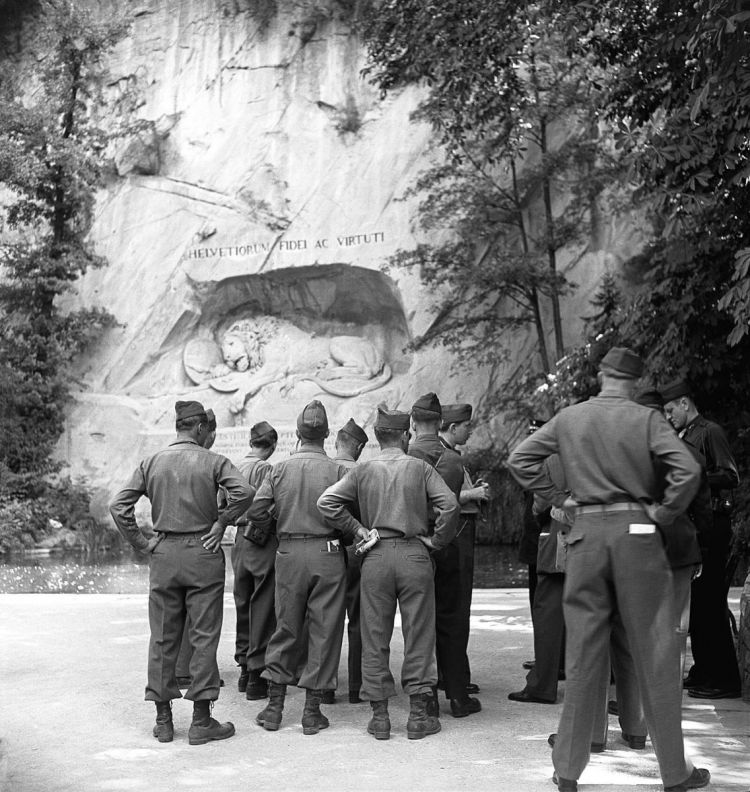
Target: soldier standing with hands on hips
x=394 y=494
x=609 y=448
x=187 y=568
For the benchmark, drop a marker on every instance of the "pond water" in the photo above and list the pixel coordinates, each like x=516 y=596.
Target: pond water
x=496 y=566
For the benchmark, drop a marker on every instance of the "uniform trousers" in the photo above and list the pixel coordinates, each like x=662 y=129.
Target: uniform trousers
x=610 y=570
x=549 y=636
x=711 y=638
x=186 y=581
x=310 y=603
x=454 y=573
x=254 y=583
x=353 y=633
x=397 y=572
x=628 y=695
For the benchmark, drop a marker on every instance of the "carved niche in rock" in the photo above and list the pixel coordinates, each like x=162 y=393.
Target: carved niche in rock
x=254 y=352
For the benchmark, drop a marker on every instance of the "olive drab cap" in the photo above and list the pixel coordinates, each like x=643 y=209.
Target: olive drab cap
x=456 y=413
x=263 y=431
x=650 y=398
x=675 y=389
x=189 y=409
x=426 y=407
x=211 y=420
x=392 y=419
x=623 y=362
x=354 y=430
x=312 y=422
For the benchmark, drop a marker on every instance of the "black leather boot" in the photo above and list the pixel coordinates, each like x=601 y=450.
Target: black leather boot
x=243 y=678
x=380 y=724
x=420 y=724
x=313 y=720
x=204 y=728
x=433 y=703
x=257 y=687
x=164 y=728
x=270 y=717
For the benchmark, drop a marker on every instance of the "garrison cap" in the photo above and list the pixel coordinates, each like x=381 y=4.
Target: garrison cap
x=189 y=409
x=354 y=430
x=675 y=389
x=623 y=362
x=650 y=398
x=312 y=422
x=392 y=419
x=263 y=431
x=426 y=408
x=456 y=413
x=211 y=420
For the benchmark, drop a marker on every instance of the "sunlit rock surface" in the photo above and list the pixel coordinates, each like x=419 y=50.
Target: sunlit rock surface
x=265 y=191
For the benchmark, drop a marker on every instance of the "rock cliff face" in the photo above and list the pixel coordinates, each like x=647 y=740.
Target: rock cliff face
x=245 y=230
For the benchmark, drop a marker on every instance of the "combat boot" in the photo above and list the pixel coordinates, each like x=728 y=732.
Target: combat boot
x=257 y=687
x=433 y=703
x=380 y=724
x=164 y=728
x=270 y=717
x=204 y=728
x=420 y=724
x=313 y=720
x=243 y=678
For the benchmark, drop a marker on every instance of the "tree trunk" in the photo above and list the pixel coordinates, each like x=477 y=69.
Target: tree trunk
x=549 y=221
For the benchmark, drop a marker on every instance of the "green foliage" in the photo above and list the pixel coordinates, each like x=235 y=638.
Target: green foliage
x=50 y=154
x=516 y=114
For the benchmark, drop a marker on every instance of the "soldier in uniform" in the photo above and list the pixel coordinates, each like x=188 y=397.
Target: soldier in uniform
x=310 y=575
x=183 y=658
x=715 y=673
x=609 y=447
x=253 y=559
x=455 y=430
x=394 y=493
x=187 y=572
x=450 y=626
x=350 y=441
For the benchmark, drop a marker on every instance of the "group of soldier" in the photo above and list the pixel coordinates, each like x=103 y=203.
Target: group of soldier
x=638 y=509
x=318 y=538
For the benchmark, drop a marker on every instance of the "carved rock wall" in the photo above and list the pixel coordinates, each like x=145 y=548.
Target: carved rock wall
x=267 y=184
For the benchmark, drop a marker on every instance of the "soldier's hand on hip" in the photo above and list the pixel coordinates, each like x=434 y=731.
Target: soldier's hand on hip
x=212 y=540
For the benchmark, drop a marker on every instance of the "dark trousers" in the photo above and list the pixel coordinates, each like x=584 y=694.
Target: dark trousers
x=454 y=573
x=397 y=572
x=310 y=603
x=254 y=583
x=353 y=633
x=549 y=636
x=611 y=571
x=711 y=639
x=186 y=581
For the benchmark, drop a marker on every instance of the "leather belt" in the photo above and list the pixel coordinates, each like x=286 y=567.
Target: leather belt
x=603 y=508
x=307 y=536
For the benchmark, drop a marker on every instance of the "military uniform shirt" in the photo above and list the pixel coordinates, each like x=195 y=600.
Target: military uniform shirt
x=446 y=461
x=606 y=447
x=709 y=440
x=181 y=481
x=292 y=489
x=393 y=491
